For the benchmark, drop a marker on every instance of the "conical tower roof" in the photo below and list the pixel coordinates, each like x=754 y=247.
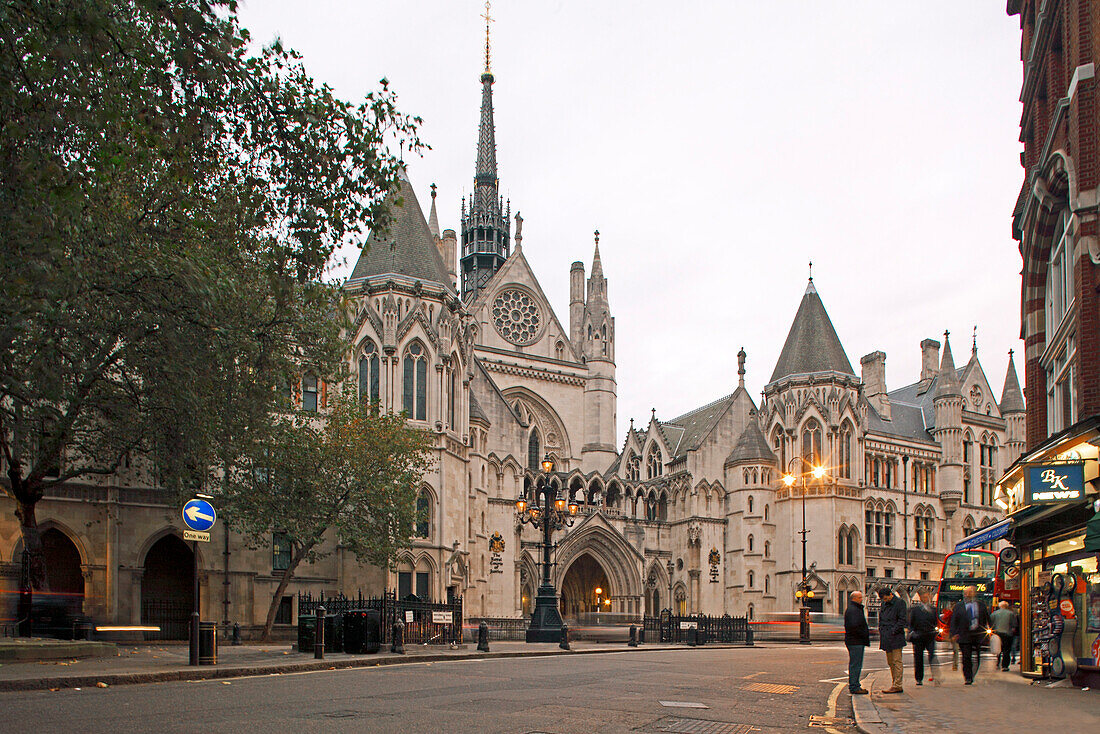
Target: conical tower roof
x=812 y=344
x=407 y=247
x=947 y=381
x=751 y=446
x=1012 y=398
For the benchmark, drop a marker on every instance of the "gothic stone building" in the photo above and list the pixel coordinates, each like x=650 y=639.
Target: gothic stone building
x=453 y=328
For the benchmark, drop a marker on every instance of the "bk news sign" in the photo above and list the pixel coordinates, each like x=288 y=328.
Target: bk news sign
x=1055 y=483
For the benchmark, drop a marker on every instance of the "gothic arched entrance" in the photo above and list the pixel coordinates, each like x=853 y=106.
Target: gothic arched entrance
x=578 y=589
x=63 y=573
x=167 y=591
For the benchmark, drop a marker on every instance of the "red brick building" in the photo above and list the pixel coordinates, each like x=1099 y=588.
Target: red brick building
x=1055 y=221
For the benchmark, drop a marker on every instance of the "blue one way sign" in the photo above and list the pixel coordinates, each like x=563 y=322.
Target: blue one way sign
x=199 y=515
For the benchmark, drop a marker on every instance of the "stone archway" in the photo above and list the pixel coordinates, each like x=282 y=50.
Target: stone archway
x=578 y=588
x=167 y=588
x=63 y=573
x=620 y=563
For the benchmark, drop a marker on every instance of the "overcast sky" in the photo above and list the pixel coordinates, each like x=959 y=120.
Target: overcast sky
x=719 y=147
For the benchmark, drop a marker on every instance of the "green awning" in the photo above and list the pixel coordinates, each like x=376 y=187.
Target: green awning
x=1092 y=534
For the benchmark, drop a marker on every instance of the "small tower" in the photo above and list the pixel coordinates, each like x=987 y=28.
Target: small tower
x=486 y=230
x=597 y=340
x=1014 y=413
x=947 y=401
x=576 y=304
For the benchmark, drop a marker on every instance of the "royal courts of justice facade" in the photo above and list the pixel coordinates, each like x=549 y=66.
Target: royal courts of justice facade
x=453 y=327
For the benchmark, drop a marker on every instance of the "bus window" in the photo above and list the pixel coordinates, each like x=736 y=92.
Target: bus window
x=970 y=565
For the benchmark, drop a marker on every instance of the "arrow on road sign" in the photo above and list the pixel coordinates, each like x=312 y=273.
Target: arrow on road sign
x=199 y=515
x=194 y=514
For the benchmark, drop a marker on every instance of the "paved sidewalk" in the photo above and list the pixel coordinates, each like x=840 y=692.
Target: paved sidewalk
x=152 y=663
x=996 y=702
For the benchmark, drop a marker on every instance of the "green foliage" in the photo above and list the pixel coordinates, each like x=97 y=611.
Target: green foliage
x=351 y=473
x=168 y=203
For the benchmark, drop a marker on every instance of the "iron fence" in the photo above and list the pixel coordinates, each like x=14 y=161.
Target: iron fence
x=499 y=628
x=173 y=617
x=674 y=628
x=426 y=622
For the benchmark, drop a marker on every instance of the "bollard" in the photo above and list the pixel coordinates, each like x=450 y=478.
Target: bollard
x=633 y=637
x=692 y=636
x=564 y=644
x=641 y=634
x=319 y=635
x=236 y=633
x=748 y=636
x=483 y=637
x=398 y=645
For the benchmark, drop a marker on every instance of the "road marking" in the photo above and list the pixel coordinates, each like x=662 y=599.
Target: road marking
x=830 y=709
x=683 y=705
x=753 y=675
x=769 y=688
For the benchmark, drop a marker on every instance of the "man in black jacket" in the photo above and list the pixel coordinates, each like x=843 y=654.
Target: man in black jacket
x=969 y=627
x=891 y=635
x=922 y=633
x=857 y=636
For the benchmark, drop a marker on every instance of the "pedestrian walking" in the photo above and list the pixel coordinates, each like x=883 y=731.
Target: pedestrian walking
x=969 y=622
x=922 y=634
x=1002 y=620
x=857 y=636
x=891 y=635
x=1015 y=648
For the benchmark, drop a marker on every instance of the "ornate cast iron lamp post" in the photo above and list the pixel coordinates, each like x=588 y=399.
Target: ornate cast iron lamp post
x=549 y=511
x=804 y=591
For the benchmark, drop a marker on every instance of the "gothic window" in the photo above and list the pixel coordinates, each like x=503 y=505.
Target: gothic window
x=750 y=504
x=415 y=382
x=752 y=579
x=777 y=444
x=662 y=508
x=811 y=442
x=452 y=394
x=634 y=468
x=987 y=460
x=309 y=393
x=767 y=549
x=281 y=552
x=845 y=546
x=516 y=317
x=767 y=513
x=423 y=513
x=844 y=451
x=651 y=507
x=654 y=463
x=767 y=585
x=750 y=543
x=534 y=458
x=888 y=526
x=752 y=612
x=368 y=373
x=888 y=473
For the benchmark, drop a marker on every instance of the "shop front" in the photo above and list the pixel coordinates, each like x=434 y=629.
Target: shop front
x=1052 y=498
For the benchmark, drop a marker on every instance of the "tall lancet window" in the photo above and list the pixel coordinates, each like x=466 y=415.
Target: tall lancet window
x=452 y=395
x=368 y=373
x=415 y=401
x=811 y=442
x=533 y=458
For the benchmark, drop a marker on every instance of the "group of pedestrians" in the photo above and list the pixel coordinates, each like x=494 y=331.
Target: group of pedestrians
x=969 y=625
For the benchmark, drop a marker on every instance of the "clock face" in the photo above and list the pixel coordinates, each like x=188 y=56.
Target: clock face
x=976 y=396
x=517 y=317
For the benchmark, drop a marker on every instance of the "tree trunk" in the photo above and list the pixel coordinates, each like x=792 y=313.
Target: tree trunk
x=288 y=574
x=33 y=573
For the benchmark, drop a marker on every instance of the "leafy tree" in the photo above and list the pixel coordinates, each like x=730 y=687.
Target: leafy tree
x=169 y=200
x=350 y=474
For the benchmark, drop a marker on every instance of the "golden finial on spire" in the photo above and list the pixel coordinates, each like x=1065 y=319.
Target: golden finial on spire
x=488 y=20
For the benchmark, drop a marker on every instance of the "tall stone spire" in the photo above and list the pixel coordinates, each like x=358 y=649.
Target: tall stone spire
x=947 y=382
x=1012 y=398
x=486 y=225
x=433 y=218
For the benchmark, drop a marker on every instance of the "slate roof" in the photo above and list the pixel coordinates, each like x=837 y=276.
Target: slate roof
x=408 y=248
x=751 y=446
x=909 y=421
x=686 y=432
x=476 y=412
x=812 y=344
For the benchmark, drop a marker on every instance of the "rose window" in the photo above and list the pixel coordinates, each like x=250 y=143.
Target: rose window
x=516 y=317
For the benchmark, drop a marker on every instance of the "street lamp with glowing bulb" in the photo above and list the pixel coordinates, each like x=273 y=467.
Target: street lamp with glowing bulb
x=803 y=592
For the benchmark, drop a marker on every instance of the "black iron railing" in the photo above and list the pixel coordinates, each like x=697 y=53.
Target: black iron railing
x=499 y=628
x=675 y=628
x=426 y=622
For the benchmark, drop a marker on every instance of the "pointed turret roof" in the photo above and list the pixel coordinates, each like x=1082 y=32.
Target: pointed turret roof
x=407 y=247
x=1012 y=398
x=812 y=344
x=433 y=218
x=751 y=446
x=947 y=381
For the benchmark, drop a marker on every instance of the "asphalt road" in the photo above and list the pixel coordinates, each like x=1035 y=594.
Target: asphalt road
x=768 y=689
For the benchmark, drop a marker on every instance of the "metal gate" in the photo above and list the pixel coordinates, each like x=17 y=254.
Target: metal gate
x=173 y=618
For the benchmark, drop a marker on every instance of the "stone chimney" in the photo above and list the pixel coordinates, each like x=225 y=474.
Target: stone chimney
x=930 y=359
x=874 y=382
x=448 y=244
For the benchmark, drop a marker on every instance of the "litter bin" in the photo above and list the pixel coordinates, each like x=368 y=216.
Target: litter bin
x=208 y=643
x=307 y=632
x=362 y=631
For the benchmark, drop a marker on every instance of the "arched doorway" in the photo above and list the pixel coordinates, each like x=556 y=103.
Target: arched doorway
x=578 y=589
x=63 y=573
x=167 y=594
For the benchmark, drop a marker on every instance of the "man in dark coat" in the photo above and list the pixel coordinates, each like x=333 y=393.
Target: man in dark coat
x=857 y=636
x=969 y=627
x=891 y=635
x=922 y=633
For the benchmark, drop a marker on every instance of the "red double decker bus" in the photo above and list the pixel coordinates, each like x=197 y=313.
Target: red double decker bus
x=993 y=579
